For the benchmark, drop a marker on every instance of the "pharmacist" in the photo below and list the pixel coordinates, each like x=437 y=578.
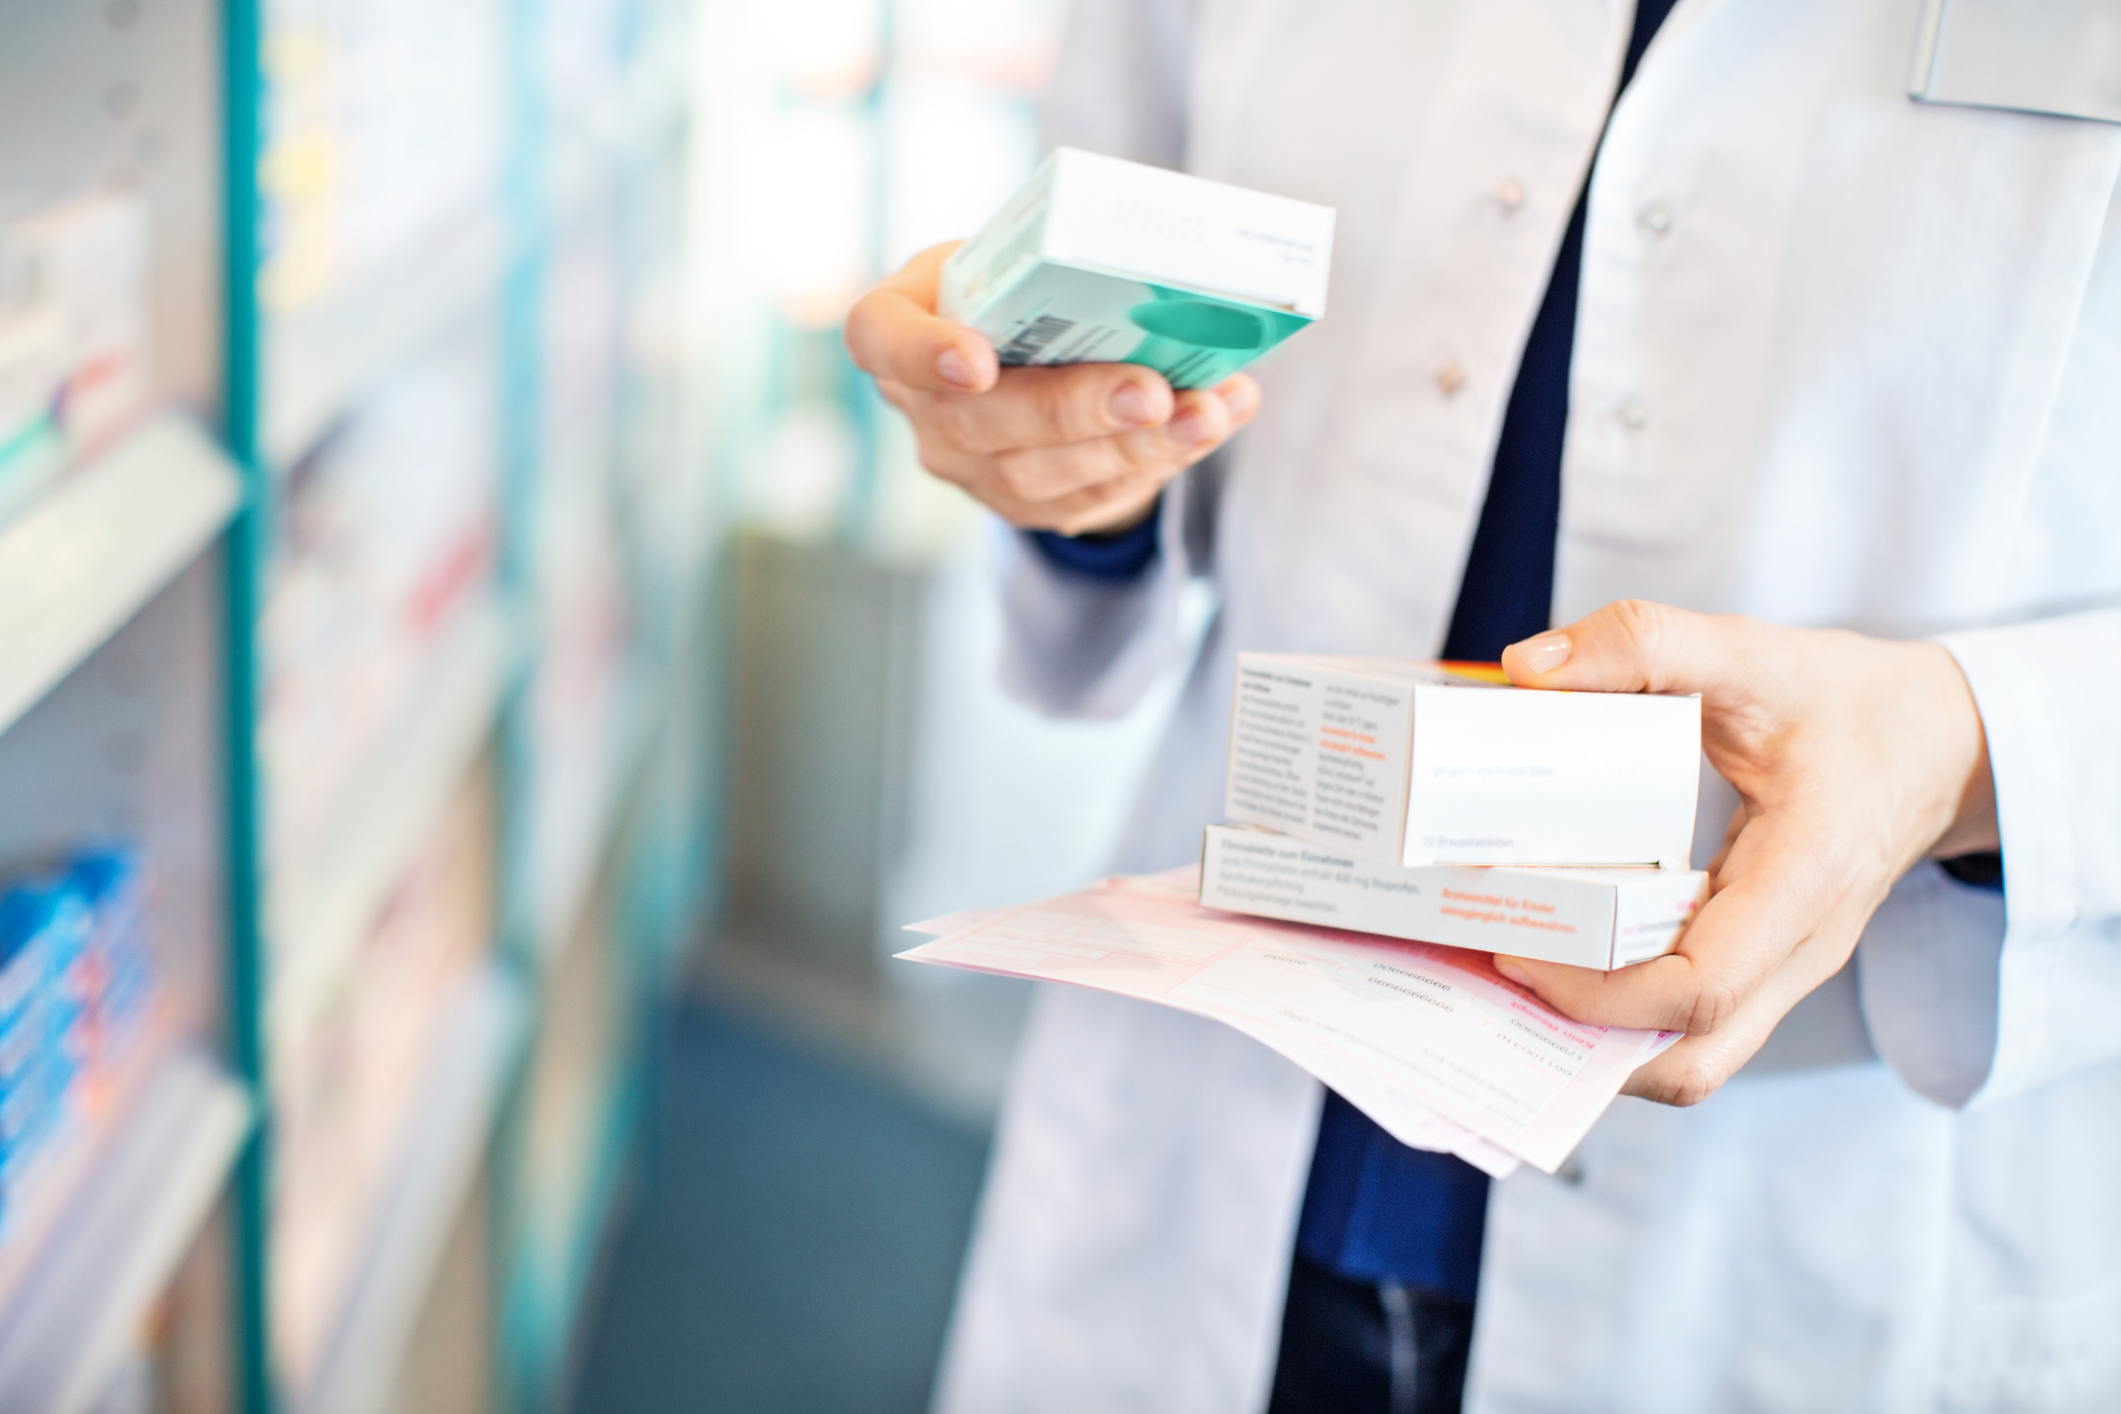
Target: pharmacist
x=1780 y=387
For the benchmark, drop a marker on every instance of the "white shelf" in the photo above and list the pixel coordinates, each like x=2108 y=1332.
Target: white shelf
x=121 y=1237
x=567 y=867
x=320 y=358
x=319 y=908
x=98 y=545
x=441 y=1151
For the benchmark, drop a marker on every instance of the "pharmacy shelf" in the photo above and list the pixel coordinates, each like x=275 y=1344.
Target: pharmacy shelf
x=117 y=1245
x=101 y=543
x=443 y=1146
x=562 y=885
x=319 y=909
x=319 y=359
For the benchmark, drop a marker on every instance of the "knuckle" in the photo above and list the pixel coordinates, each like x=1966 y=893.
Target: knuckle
x=1058 y=409
x=941 y=461
x=954 y=420
x=1696 y=1083
x=1092 y=507
x=1645 y=622
x=1013 y=474
x=1147 y=453
x=942 y=466
x=1116 y=459
x=1715 y=1002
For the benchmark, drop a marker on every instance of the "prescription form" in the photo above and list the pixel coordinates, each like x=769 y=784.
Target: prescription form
x=1431 y=1042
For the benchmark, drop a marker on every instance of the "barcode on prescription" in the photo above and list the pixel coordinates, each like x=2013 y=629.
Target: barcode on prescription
x=1035 y=338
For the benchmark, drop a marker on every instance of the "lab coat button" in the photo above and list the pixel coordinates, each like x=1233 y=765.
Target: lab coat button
x=1510 y=196
x=1450 y=378
x=1656 y=220
x=1634 y=416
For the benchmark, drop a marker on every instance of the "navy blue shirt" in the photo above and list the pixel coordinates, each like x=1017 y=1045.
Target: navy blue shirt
x=1374 y=1208
x=1109 y=557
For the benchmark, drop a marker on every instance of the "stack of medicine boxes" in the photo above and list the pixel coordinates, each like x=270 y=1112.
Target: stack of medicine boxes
x=1438 y=804
x=75 y=981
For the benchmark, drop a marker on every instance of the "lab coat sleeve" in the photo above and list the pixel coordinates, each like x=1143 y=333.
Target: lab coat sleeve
x=1075 y=646
x=2049 y=692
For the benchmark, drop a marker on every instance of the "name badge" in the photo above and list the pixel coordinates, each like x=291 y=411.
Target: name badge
x=2058 y=57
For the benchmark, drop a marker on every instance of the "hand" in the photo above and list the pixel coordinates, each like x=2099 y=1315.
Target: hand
x=1082 y=448
x=1853 y=757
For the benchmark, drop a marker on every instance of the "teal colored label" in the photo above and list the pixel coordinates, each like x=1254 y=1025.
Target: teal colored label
x=1061 y=314
x=28 y=459
x=1196 y=342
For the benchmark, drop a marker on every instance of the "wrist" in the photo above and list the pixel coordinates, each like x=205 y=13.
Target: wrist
x=1122 y=523
x=1968 y=783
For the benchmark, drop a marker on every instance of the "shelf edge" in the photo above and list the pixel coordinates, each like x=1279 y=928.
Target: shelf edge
x=154 y=1185
x=98 y=545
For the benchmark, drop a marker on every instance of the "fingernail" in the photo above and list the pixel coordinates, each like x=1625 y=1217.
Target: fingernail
x=1509 y=968
x=1130 y=406
x=950 y=366
x=1240 y=400
x=1545 y=652
x=1190 y=429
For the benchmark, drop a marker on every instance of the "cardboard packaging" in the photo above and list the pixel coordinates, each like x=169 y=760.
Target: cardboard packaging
x=73 y=335
x=1097 y=260
x=1409 y=763
x=1602 y=918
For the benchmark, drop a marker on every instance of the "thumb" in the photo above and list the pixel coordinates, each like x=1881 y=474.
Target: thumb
x=894 y=333
x=1632 y=645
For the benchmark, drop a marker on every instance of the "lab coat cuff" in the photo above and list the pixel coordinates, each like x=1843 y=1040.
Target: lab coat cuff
x=1078 y=646
x=2046 y=692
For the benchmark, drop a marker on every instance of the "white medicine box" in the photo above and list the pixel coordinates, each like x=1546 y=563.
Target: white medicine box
x=1412 y=763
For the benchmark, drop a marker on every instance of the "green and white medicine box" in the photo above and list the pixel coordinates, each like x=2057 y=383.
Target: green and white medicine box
x=1098 y=260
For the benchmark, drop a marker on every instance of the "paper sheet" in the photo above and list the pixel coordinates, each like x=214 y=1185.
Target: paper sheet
x=1430 y=1042
x=1406 y=1120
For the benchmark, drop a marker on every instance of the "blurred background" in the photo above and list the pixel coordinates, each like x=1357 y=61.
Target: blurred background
x=482 y=682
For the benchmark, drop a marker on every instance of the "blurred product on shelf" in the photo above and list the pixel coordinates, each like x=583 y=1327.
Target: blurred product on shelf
x=387 y=539
x=665 y=501
x=76 y=982
x=73 y=334
x=384 y=117
x=584 y=607
x=343 y=1091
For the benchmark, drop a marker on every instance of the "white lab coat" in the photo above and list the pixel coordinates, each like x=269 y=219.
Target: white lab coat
x=1841 y=359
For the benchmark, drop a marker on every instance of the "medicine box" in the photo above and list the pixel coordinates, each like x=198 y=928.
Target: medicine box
x=1602 y=918
x=1399 y=762
x=1097 y=260
x=74 y=365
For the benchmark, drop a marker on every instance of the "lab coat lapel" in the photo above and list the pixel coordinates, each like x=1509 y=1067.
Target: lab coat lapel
x=1396 y=438
x=1485 y=200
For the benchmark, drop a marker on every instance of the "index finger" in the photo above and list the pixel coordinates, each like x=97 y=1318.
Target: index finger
x=1767 y=904
x=893 y=332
